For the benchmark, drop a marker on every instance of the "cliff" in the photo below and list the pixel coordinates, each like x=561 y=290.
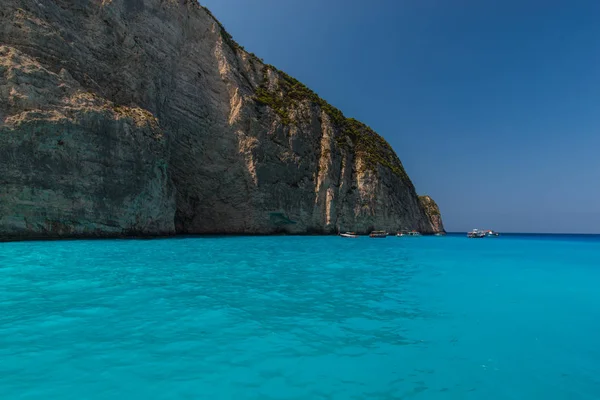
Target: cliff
x=144 y=117
x=432 y=211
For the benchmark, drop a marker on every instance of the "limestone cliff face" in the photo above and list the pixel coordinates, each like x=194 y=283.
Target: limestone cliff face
x=144 y=117
x=433 y=213
x=74 y=164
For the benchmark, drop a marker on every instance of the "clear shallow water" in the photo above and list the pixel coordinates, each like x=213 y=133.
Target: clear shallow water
x=301 y=318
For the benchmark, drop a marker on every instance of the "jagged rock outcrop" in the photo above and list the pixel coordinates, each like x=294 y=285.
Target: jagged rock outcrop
x=432 y=211
x=144 y=117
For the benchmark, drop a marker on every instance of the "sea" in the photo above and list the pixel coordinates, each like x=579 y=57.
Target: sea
x=301 y=317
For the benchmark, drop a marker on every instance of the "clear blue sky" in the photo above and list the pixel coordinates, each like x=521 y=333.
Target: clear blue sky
x=492 y=106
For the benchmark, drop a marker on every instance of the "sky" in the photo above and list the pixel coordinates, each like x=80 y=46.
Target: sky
x=492 y=106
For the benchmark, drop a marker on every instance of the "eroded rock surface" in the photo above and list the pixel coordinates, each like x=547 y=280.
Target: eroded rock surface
x=144 y=117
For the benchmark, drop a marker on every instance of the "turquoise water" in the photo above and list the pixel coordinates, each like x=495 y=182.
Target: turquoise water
x=301 y=318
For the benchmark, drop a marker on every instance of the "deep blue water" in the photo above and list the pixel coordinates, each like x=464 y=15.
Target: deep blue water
x=516 y=317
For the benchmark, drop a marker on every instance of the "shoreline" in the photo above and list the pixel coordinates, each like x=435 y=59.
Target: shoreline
x=232 y=235
x=166 y=236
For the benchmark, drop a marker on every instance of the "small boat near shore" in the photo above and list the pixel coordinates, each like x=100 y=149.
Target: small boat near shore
x=378 y=234
x=411 y=233
x=349 y=235
x=476 y=234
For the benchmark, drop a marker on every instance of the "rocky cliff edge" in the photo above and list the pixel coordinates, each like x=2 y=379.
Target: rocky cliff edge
x=144 y=117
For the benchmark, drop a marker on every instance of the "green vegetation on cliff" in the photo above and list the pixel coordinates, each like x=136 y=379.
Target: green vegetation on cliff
x=372 y=148
x=429 y=205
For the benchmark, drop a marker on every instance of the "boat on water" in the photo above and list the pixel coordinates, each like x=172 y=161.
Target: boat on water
x=349 y=235
x=476 y=234
x=491 y=233
x=440 y=234
x=378 y=234
x=406 y=233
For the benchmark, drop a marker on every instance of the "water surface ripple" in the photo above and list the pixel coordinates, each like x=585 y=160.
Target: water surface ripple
x=301 y=318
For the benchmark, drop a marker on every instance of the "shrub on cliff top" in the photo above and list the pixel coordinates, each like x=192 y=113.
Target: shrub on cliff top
x=289 y=92
x=429 y=205
x=373 y=149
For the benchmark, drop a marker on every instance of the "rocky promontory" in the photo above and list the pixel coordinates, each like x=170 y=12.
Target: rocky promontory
x=144 y=117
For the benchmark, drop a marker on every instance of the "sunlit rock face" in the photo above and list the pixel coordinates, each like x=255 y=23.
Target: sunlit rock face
x=144 y=117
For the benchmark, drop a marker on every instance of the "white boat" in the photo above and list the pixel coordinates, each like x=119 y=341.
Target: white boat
x=349 y=235
x=491 y=234
x=476 y=234
x=378 y=234
x=412 y=233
